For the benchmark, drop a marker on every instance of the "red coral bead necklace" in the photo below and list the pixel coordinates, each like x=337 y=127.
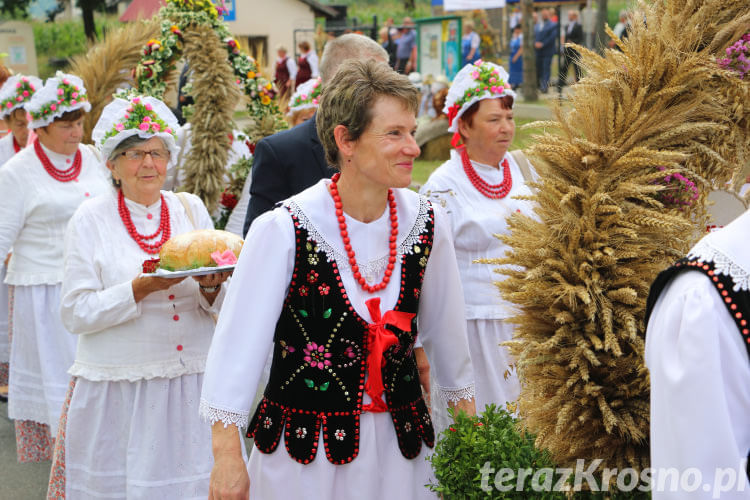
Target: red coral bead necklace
x=68 y=175
x=164 y=226
x=16 y=146
x=494 y=191
x=347 y=243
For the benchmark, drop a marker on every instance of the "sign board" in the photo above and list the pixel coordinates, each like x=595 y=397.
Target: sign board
x=17 y=40
x=439 y=46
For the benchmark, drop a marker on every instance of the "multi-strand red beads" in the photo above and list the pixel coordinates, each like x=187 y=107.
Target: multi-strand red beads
x=68 y=175
x=494 y=191
x=164 y=226
x=347 y=243
x=16 y=146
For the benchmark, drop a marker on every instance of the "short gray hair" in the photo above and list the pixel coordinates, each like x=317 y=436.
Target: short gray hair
x=349 y=98
x=349 y=46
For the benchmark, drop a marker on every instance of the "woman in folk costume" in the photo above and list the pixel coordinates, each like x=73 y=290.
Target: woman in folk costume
x=307 y=64
x=143 y=340
x=41 y=187
x=14 y=93
x=336 y=281
x=698 y=356
x=478 y=187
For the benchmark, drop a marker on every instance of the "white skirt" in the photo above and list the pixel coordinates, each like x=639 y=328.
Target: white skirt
x=137 y=440
x=4 y=344
x=380 y=471
x=495 y=380
x=41 y=354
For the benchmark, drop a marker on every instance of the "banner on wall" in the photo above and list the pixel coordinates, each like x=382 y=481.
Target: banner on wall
x=472 y=4
x=231 y=9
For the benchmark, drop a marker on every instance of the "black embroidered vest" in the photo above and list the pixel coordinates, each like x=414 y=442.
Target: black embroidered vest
x=319 y=360
x=737 y=302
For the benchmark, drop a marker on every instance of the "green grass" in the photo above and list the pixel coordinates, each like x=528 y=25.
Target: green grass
x=522 y=139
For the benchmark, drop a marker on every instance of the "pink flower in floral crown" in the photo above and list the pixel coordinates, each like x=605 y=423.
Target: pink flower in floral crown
x=126 y=116
x=155 y=127
x=148 y=106
x=130 y=109
x=73 y=102
x=24 y=79
x=18 y=85
x=9 y=105
x=168 y=130
x=478 y=63
x=303 y=97
x=19 y=98
x=66 y=81
x=119 y=126
x=143 y=126
x=136 y=100
x=26 y=93
x=146 y=119
x=75 y=95
x=52 y=107
x=315 y=101
x=507 y=86
x=475 y=75
x=60 y=92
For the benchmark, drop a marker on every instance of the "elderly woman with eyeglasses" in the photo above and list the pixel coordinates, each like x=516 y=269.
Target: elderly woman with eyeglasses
x=130 y=428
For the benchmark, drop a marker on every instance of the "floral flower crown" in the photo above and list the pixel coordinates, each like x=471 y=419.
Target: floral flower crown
x=481 y=80
x=68 y=94
x=24 y=89
x=306 y=96
x=140 y=116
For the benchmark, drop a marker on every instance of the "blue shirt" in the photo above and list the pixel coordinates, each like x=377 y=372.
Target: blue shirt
x=404 y=44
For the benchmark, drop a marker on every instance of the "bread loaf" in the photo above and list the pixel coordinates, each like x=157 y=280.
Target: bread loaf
x=193 y=250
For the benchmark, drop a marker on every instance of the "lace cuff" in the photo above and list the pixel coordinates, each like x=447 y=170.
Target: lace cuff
x=212 y=415
x=454 y=395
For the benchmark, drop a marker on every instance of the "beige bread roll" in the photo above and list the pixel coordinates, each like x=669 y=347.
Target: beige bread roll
x=193 y=250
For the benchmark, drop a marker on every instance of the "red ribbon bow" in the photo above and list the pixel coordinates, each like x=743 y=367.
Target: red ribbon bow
x=379 y=338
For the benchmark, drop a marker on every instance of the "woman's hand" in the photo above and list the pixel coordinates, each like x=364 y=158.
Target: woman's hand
x=210 y=281
x=465 y=405
x=229 y=479
x=146 y=285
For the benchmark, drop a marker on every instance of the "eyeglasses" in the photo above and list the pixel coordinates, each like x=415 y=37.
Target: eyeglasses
x=157 y=155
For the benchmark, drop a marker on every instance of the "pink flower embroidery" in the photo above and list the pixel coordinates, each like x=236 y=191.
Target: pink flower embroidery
x=316 y=356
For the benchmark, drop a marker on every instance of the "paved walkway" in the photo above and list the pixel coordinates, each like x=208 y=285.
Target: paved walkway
x=18 y=481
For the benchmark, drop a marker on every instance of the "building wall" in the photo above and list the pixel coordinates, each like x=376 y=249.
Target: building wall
x=274 y=20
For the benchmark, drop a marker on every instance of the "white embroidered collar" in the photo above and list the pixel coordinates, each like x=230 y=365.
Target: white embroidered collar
x=728 y=250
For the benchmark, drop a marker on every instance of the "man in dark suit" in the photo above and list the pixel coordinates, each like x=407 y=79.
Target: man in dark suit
x=573 y=34
x=545 y=42
x=289 y=162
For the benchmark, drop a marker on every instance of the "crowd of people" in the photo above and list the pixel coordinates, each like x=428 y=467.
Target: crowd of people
x=356 y=306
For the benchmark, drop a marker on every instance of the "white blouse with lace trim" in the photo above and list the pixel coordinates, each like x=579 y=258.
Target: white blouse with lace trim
x=244 y=333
